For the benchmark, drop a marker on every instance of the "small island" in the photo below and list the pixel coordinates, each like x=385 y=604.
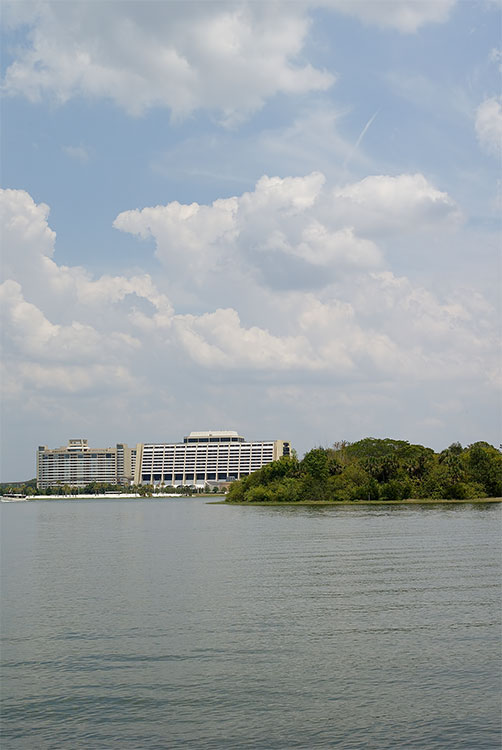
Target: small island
x=376 y=470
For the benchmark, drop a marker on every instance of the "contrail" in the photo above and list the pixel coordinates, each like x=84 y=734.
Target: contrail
x=361 y=136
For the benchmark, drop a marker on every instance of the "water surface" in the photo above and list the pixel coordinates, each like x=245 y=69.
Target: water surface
x=176 y=624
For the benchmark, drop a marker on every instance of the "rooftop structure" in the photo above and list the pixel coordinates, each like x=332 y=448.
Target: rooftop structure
x=217 y=436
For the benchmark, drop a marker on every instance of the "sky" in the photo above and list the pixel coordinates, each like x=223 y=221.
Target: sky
x=280 y=218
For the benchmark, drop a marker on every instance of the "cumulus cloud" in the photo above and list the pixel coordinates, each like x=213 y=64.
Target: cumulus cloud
x=59 y=317
x=49 y=356
x=265 y=231
x=334 y=334
x=24 y=222
x=28 y=257
x=407 y=202
x=489 y=125
x=406 y=16
x=226 y=57
x=390 y=328
x=35 y=336
x=286 y=229
x=218 y=340
x=412 y=313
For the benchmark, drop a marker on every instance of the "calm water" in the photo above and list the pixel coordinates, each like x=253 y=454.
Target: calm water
x=176 y=624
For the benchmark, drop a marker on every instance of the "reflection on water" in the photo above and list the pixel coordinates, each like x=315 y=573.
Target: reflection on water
x=173 y=623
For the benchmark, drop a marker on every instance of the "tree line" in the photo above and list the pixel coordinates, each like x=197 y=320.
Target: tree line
x=376 y=469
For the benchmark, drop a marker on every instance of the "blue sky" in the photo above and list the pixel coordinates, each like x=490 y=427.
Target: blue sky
x=280 y=218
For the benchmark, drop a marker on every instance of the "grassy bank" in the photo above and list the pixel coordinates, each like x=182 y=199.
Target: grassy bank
x=371 y=503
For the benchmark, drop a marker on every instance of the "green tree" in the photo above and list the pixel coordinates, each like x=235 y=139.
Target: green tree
x=451 y=458
x=375 y=448
x=396 y=489
x=259 y=494
x=315 y=464
x=382 y=468
x=483 y=464
x=145 y=490
x=351 y=485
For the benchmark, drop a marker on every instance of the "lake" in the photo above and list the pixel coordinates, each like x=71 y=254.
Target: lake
x=178 y=624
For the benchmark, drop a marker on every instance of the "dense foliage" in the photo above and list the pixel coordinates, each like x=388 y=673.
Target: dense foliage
x=374 y=469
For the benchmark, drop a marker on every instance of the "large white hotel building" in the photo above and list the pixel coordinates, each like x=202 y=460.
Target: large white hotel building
x=76 y=464
x=204 y=457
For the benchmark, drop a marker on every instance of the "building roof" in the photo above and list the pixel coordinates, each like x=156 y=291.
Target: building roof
x=214 y=433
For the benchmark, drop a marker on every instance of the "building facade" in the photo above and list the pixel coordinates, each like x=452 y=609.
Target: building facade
x=76 y=464
x=204 y=458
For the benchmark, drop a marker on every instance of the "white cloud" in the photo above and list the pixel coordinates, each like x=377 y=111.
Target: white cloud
x=272 y=234
x=489 y=124
x=406 y=16
x=28 y=257
x=379 y=322
x=391 y=329
x=320 y=247
x=218 y=340
x=24 y=222
x=385 y=203
x=413 y=313
x=288 y=229
x=57 y=319
x=328 y=340
x=36 y=337
x=191 y=237
x=53 y=357
x=226 y=57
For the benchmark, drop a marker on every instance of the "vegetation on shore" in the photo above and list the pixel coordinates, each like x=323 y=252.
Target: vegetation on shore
x=375 y=470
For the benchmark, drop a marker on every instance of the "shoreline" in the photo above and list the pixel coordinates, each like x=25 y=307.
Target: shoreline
x=366 y=503
x=111 y=496
x=274 y=504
